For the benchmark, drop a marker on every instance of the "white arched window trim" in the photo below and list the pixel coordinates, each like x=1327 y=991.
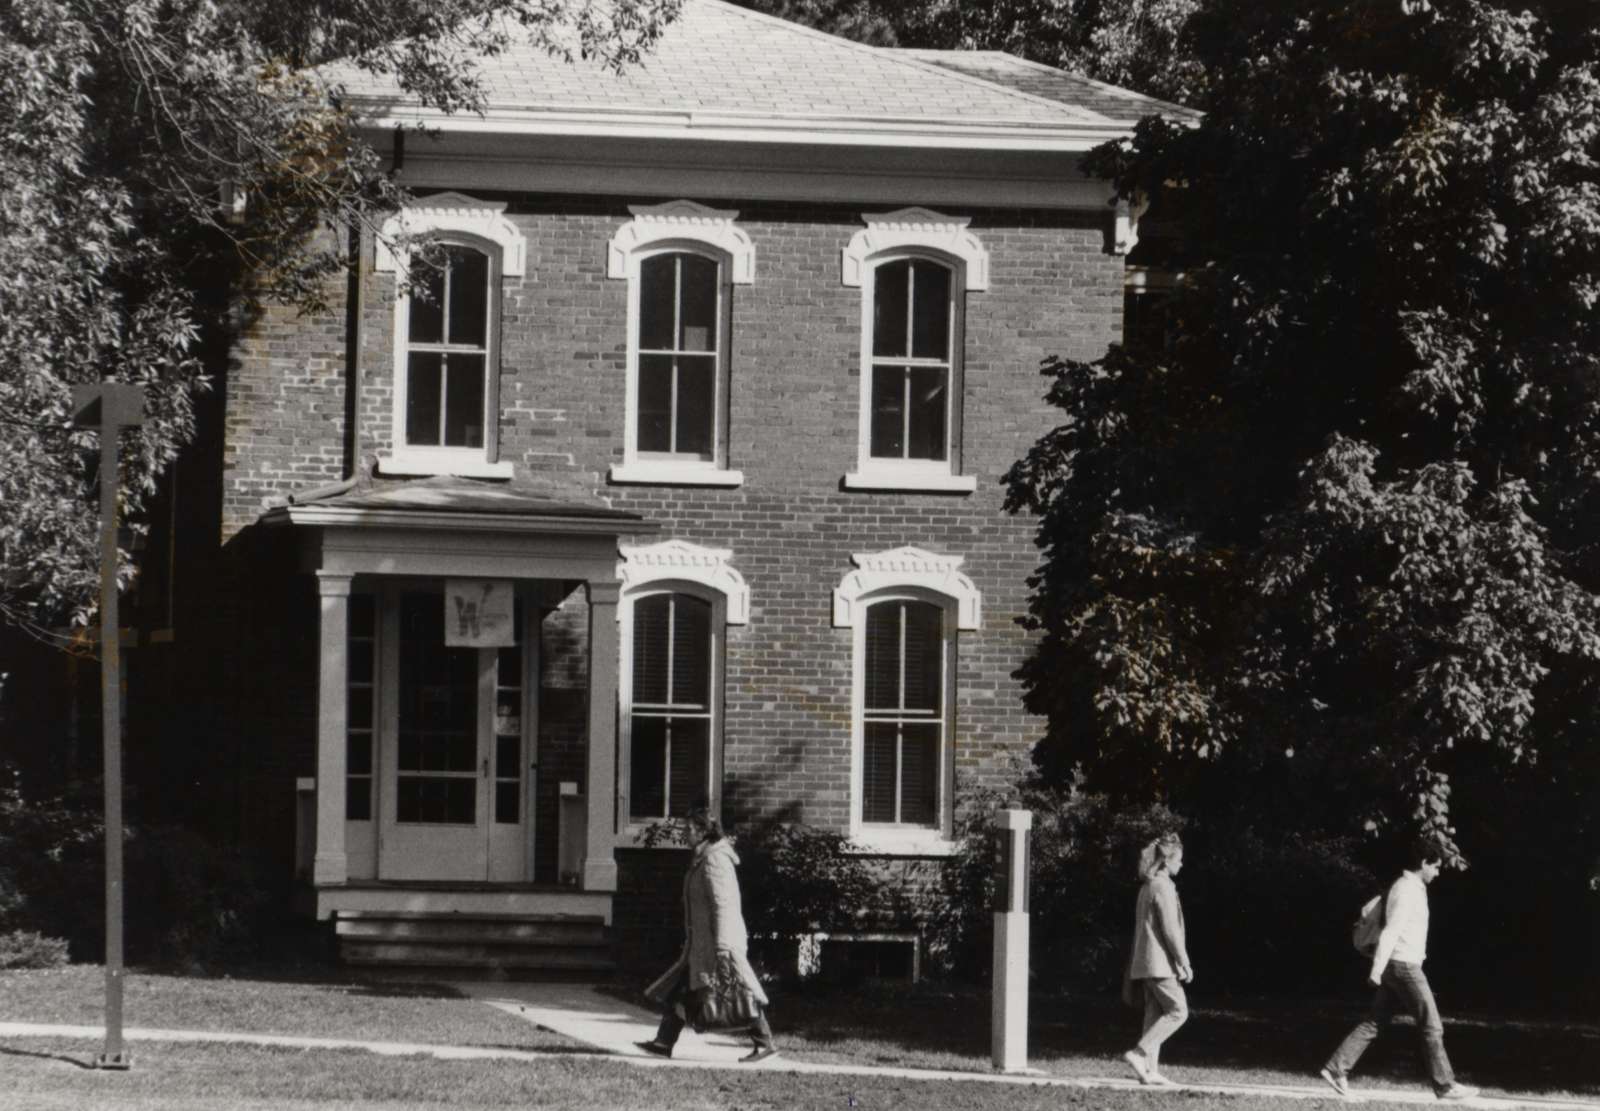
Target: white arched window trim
x=470 y=222
x=686 y=227
x=911 y=574
x=676 y=567
x=946 y=240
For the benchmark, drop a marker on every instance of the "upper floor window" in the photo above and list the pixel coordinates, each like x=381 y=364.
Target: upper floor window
x=447 y=309
x=447 y=351
x=678 y=343
x=914 y=268
x=677 y=601
x=681 y=261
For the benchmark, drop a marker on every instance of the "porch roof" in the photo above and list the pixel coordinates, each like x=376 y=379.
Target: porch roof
x=452 y=503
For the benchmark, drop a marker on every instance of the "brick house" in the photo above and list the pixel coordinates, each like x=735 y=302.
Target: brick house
x=682 y=479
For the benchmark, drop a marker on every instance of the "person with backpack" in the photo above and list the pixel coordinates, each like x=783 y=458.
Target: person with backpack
x=1397 y=978
x=1160 y=959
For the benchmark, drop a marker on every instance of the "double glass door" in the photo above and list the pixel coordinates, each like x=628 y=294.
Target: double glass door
x=454 y=794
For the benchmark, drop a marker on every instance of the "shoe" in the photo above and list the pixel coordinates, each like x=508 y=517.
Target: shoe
x=759 y=1053
x=655 y=1048
x=1136 y=1061
x=1458 y=1092
x=1336 y=1081
x=1160 y=1081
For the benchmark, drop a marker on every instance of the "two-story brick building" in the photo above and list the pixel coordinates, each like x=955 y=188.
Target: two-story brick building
x=681 y=478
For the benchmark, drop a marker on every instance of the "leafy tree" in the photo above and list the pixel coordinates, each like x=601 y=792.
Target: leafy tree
x=1330 y=553
x=131 y=131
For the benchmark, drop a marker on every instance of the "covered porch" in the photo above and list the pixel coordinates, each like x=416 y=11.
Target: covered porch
x=436 y=599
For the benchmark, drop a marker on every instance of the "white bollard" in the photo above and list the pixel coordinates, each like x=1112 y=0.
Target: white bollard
x=1010 y=1010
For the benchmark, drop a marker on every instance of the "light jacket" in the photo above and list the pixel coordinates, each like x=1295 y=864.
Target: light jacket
x=1159 y=948
x=713 y=923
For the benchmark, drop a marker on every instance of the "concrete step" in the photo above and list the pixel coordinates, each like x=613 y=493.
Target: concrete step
x=475 y=956
x=484 y=942
x=466 y=928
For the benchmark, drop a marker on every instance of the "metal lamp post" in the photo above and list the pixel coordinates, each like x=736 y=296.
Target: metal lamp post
x=111 y=406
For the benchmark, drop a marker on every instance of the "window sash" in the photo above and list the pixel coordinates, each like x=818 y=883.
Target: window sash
x=678 y=418
x=904 y=340
x=905 y=704
x=447 y=397
x=672 y=741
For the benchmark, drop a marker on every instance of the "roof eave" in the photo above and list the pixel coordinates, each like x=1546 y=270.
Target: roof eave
x=326 y=516
x=812 y=130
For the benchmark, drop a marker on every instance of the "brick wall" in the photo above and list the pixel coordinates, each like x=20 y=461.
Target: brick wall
x=793 y=419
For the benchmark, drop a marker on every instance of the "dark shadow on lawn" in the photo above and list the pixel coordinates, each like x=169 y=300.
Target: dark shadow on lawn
x=1247 y=1035
x=7 y=1051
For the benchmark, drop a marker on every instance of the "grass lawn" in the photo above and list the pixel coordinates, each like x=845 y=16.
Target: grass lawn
x=48 y=1075
x=307 y=1006
x=1257 y=1042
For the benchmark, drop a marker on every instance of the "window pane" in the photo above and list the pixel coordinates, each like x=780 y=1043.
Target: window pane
x=930 y=310
x=689 y=773
x=438 y=715
x=426 y=309
x=919 y=773
x=507 y=802
x=468 y=301
x=878 y=773
x=655 y=403
x=889 y=308
x=699 y=304
x=358 y=799
x=691 y=651
x=650 y=619
x=423 y=397
x=696 y=401
x=883 y=657
x=657 y=291
x=888 y=411
x=360 y=661
x=361 y=619
x=420 y=799
x=927 y=413
x=924 y=670
x=359 y=707
x=358 y=754
x=647 y=797
x=463 y=426
x=508 y=757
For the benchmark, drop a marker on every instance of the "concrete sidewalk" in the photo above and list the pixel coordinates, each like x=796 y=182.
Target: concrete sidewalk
x=589 y=1015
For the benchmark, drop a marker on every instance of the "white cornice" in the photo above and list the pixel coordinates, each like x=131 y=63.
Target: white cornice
x=443 y=213
x=312 y=516
x=917 y=227
x=681 y=561
x=734 y=127
x=680 y=220
x=907 y=568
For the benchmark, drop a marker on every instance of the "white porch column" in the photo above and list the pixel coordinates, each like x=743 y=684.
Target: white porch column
x=599 y=860
x=331 y=865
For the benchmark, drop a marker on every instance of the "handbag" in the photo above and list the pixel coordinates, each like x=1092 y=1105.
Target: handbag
x=724 y=1001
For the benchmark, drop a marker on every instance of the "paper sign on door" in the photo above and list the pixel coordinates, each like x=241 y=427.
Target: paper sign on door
x=477 y=613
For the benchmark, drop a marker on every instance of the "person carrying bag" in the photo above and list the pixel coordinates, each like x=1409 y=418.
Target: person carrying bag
x=711 y=985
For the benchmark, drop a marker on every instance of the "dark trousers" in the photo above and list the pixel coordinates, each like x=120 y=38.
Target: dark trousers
x=1404 y=988
x=672 y=1023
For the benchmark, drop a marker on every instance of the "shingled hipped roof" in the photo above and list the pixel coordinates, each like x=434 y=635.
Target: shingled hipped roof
x=720 y=59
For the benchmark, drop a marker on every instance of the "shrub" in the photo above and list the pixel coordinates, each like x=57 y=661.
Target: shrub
x=26 y=949
x=187 y=900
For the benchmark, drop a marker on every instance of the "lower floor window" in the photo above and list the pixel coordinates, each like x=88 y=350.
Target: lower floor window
x=904 y=713
x=670 y=712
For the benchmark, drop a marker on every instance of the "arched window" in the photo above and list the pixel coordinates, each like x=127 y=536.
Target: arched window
x=446 y=337
x=905 y=607
x=915 y=268
x=677 y=601
x=681 y=261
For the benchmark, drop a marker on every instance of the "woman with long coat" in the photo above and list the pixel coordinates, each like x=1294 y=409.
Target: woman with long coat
x=1160 y=959
x=712 y=980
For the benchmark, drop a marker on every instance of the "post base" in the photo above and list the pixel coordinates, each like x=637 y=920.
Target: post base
x=119 y=1061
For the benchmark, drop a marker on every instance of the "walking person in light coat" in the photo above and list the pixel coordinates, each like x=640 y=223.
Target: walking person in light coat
x=1160 y=960
x=1398 y=980
x=711 y=983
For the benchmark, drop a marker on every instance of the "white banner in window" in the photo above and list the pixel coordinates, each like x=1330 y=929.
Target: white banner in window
x=477 y=613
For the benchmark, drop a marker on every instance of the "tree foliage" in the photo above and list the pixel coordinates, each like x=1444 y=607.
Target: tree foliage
x=128 y=130
x=1333 y=549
